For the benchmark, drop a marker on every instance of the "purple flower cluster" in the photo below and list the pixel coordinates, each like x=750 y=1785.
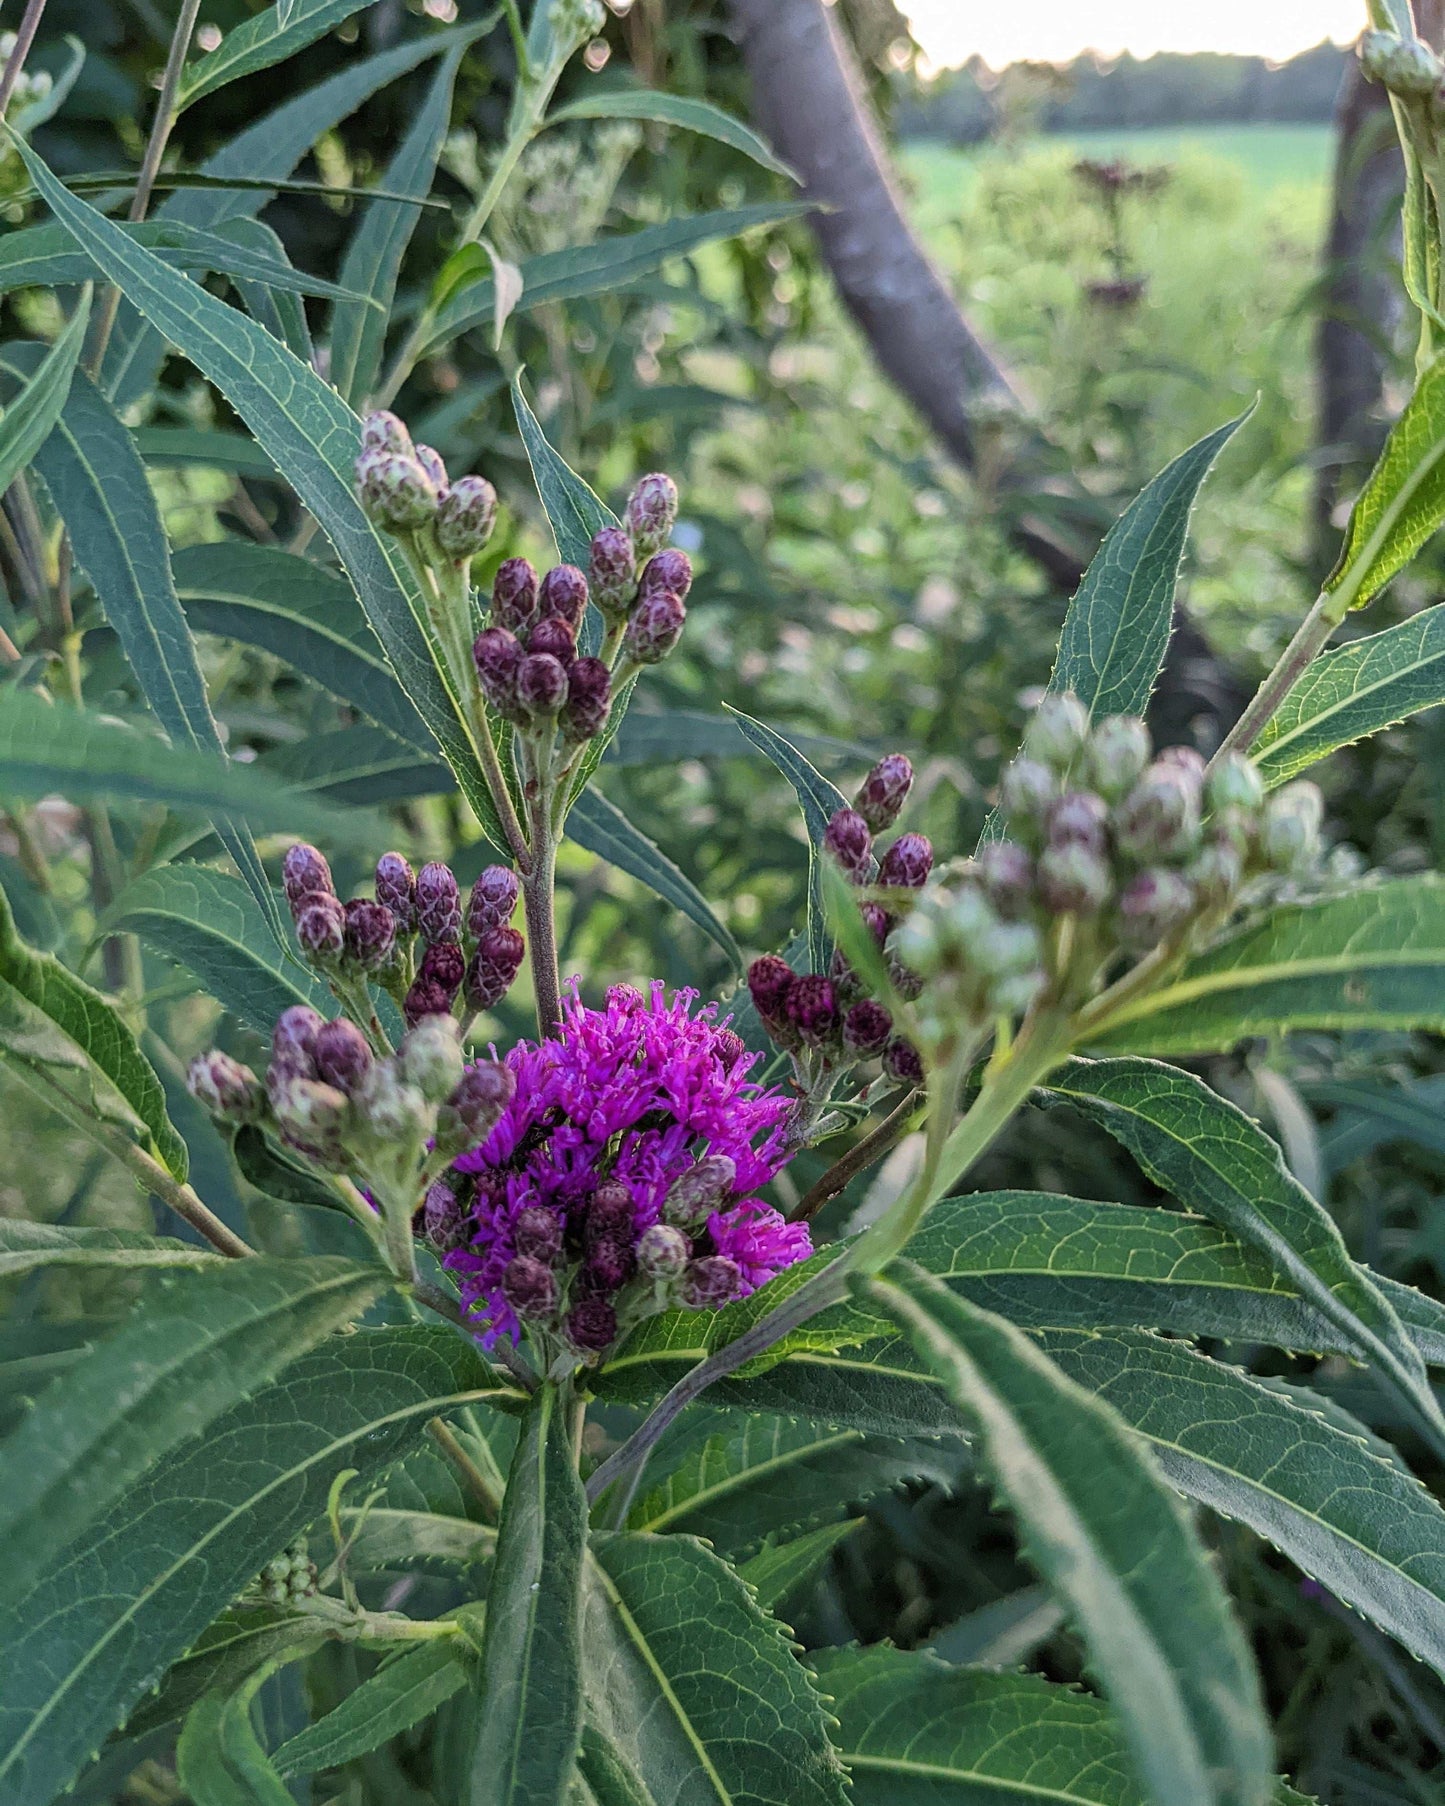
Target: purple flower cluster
x=621 y=1177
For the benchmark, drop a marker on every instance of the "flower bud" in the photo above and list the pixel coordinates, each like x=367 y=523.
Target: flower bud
x=663 y=1252
x=1073 y=879
x=654 y=628
x=537 y=1232
x=1025 y=792
x=610 y=1263
x=847 y=839
x=391 y=1113
x=1216 y=871
x=381 y=431
x=541 y=685
x=589 y=699
x=556 y=637
x=313 y=1118
x=342 y=1054
x=530 y=1288
x=370 y=933
x=705 y=1187
x=1058 y=730
x=813 y=1010
x=1235 y=783
x=1077 y=818
x=226 y=1089
x=466 y=517
x=395 y=491
x=564 y=592
x=443 y=1219
x=477 y=1100
x=1405 y=65
x=1184 y=758
x=710 y=1282
x=1159 y=819
x=514 y=595
x=901 y=1062
x=305 y=874
x=876 y=920
x=591 y=1325
x=770 y=983
x=670 y=570
x=651 y=512
x=1014 y=995
x=728 y=1048
x=493 y=967
x=293 y=1039
x=431 y=1056
x=611 y=1210
x=497 y=654
x=321 y=930
x=494 y=897
x=866 y=1029
x=396 y=891
x=431 y=462
x=443 y=964
x=1289 y=835
x=1152 y=905
x=884 y=791
x=613 y=569
x=1006 y=876
x=425 y=997
x=438 y=903
x=907 y=863
x=1116 y=755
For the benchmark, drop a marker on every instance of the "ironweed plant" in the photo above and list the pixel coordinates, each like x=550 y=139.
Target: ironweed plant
x=542 y=1398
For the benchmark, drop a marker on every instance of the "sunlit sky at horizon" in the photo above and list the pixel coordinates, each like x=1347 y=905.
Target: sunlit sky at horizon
x=950 y=31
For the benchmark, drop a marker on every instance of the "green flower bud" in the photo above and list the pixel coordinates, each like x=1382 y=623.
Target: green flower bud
x=313 y=1118
x=431 y=1056
x=395 y=491
x=392 y=1113
x=1234 y=783
x=1116 y=755
x=1216 y=871
x=1405 y=65
x=1289 y=835
x=1073 y=879
x=705 y=1187
x=1152 y=904
x=1058 y=730
x=1025 y=792
x=466 y=517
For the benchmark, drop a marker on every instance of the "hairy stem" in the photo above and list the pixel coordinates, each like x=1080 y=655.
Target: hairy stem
x=24 y=38
x=435 y=1299
x=858 y=1158
x=540 y=909
x=1308 y=642
x=472 y=1476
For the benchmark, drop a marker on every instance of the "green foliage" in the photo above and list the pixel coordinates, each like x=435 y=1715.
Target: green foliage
x=404 y=1691
x=26 y=1246
x=26 y=423
x=260 y=43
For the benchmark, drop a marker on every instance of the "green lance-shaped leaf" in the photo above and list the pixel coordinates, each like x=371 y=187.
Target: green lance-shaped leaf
x=1402 y=503
x=132 y=1595
x=780 y=1571
x=302 y=613
x=649 y=737
x=209 y=923
x=1208 y=1153
x=1370 y=1115
x=1372 y=958
x=26 y=1246
x=693 y=1688
x=1355 y=691
x=98 y=484
x=358 y=764
x=574 y=512
x=50 y=1017
x=219 y=1758
x=312 y=436
x=818 y=800
x=182 y=445
x=400 y=1694
x=601 y=827
x=674 y=109
x=373 y=258
x=235 y=1645
x=1112 y=1541
x=271 y=37
x=531 y=1684
x=188 y=1354
x=600 y=268
x=27 y=423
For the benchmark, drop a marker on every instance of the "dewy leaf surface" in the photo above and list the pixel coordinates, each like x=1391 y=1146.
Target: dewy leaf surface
x=124 y=1602
x=1112 y=1541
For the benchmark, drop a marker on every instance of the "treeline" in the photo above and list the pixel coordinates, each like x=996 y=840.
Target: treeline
x=971 y=103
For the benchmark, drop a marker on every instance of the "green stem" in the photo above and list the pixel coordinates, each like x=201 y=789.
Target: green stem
x=1308 y=642
x=858 y=1159
x=24 y=38
x=539 y=908
x=472 y=1476
x=390 y=1627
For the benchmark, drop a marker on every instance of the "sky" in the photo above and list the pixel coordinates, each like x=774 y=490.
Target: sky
x=1056 y=30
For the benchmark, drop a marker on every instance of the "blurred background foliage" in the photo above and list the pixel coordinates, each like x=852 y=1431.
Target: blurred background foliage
x=1144 y=247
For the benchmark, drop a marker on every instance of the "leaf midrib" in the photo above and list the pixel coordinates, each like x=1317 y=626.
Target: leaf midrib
x=745 y=1477
x=942 y=1772
x=1309 y=723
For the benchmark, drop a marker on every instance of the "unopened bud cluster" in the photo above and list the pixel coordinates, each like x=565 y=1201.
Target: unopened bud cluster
x=404 y=488
x=287 y=1578
x=830 y=1021
x=1409 y=68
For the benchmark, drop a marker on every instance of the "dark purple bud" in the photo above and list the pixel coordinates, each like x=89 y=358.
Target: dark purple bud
x=443 y=963
x=342 y=1054
x=381 y=431
x=497 y=654
x=884 y=791
x=847 y=839
x=396 y=891
x=654 y=628
x=663 y=1251
x=305 y=874
x=902 y=1063
x=541 y=685
x=1152 y=904
x=226 y=1089
x=705 y=1187
x=370 y=933
x=424 y=998
x=537 y=1232
x=650 y=513
x=1025 y=792
x=395 y=491
x=443 y=1218
x=1006 y=876
x=813 y=1010
x=591 y=1325
x=610 y=1263
x=1073 y=879
x=431 y=463
x=554 y=636
x=907 y=862
x=493 y=967
x=438 y=903
x=312 y=1118
x=728 y=1048
x=466 y=517
x=494 y=897
x=514 y=595
x=293 y=1040
x=530 y=1287
x=1077 y=818
x=589 y=699
x=1159 y=819
x=877 y=920
x=564 y=592
x=710 y=1282
x=321 y=929
x=770 y=982
x=613 y=570
x=670 y=570
x=866 y=1029
x=610 y=1211
x=431 y=1055
x=470 y=1114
